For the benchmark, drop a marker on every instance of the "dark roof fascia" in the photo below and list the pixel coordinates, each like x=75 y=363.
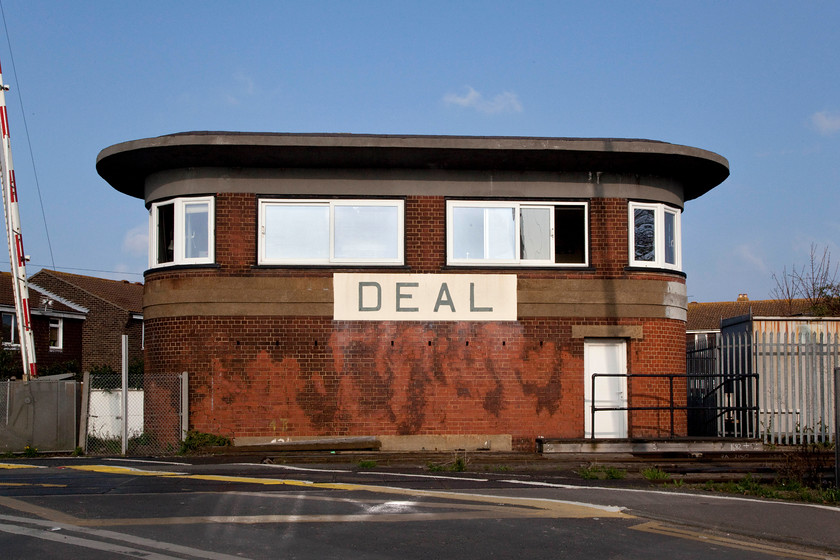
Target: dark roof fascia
x=40 y=312
x=125 y=166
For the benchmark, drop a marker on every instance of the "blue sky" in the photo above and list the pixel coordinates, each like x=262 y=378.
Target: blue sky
x=757 y=82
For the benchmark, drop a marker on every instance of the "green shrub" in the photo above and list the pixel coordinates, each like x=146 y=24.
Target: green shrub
x=196 y=441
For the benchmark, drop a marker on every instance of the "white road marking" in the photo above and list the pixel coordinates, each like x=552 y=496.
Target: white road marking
x=59 y=532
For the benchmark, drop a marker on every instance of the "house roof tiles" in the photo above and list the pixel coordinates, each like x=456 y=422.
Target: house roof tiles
x=707 y=316
x=121 y=293
x=39 y=298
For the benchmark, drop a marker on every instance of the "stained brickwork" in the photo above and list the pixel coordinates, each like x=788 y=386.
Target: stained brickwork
x=259 y=376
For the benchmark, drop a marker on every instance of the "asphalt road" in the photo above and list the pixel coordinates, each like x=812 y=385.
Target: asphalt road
x=99 y=508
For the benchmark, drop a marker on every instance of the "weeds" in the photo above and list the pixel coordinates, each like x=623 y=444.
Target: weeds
x=600 y=473
x=195 y=442
x=459 y=464
x=366 y=464
x=655 y=474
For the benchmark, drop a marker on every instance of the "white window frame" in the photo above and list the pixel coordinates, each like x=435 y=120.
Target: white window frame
x=331 y=259
x=58 y=323
x=517 y=209
x=659 y=212
x=13 y=332
x=179 y=222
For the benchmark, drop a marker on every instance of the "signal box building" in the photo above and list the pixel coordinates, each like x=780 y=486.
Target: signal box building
x=432 y=292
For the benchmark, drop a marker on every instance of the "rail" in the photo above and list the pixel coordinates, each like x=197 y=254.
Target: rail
x=734 y=403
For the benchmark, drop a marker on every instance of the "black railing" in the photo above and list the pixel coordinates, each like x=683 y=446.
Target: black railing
x=716 y=405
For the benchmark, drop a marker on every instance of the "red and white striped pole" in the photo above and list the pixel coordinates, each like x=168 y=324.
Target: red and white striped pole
x=13 y=234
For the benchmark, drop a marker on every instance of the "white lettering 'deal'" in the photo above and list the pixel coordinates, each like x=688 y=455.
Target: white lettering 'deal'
x=424 y=297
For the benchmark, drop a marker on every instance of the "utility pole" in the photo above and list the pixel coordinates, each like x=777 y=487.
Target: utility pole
x=14 y=237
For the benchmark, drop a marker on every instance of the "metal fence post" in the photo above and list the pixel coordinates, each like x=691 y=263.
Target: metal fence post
x=124 y=393
x=837 y=427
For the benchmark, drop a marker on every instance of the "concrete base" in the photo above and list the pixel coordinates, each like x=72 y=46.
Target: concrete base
x=650 y=446
x=473 y=442
x=484 y=442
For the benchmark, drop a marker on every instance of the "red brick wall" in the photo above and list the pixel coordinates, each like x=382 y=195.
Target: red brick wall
x=312 y=376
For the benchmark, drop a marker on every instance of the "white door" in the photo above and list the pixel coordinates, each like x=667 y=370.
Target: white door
x=605 y=356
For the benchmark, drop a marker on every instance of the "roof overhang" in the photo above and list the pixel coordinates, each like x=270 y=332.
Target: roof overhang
x=125 y=166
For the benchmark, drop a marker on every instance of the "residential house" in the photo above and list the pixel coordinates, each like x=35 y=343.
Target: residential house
x=704 y=319
x=57 y=325
x=114 y=308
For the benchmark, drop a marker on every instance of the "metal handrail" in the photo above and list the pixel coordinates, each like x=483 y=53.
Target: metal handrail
x=722 y=410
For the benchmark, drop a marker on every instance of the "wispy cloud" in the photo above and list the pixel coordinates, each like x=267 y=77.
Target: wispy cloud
x=749 y=255
x=826 y=122
x=242 y=86
x=136 y=241
x=505 y=102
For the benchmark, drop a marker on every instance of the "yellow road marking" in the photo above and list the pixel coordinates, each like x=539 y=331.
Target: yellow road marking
x=108 y=469
x=729 y=542
x=19 y=466
x=524 y=506
x=38 y=485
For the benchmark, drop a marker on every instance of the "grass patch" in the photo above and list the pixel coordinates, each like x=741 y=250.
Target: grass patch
x=597 y=472
x=366 y=464
x=655 y=474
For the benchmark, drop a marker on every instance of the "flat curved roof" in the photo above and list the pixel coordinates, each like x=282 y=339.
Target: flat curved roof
x=125 y=166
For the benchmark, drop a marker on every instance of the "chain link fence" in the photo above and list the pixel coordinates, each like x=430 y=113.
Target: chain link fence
x=152 y=425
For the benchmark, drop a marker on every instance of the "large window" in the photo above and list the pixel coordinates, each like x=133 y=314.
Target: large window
x=367 y=232
x=517 y=233
x=655 y=236
x=181 y=232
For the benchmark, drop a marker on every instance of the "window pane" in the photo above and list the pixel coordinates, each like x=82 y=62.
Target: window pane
x=196 y=228
x=570 y=234
x=467 y=233
x=535 y=237
x=670 y=238
x=644 y=234
x=297 y=232
x=366 y=232
x=501 y=233
x=55 y=333
x=166 y=233
x=9 y=332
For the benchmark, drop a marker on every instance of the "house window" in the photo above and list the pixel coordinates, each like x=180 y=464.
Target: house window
x=517 y=233
x=367 y=232
x=56 y=334
x=181 y=232
x=655 y=236
x=9 y=332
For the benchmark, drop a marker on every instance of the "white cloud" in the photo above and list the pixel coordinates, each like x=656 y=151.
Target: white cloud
x=748 y=255
x=136 y=241
x=826 y=122
x=505 y=102
x=242 y=86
